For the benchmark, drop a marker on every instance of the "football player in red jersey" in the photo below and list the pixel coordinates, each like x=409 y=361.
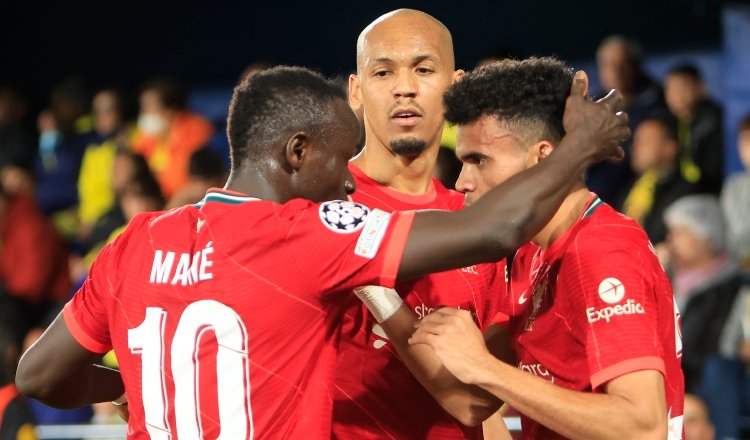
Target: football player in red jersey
x=225 y=315
x=596 y=322
x=404 y=65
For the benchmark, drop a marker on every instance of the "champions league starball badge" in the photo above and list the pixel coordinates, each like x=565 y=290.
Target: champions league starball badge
x=343 y=217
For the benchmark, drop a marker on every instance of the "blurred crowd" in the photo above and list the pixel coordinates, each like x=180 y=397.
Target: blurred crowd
x=71 y=183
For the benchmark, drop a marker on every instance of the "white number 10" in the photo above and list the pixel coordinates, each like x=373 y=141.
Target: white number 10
x=232 y=381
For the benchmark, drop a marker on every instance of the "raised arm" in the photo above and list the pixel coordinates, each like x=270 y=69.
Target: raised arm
x=510 y=214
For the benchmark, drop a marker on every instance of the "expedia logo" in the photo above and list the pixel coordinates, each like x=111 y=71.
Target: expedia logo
x=629 y=308
x=612 y=291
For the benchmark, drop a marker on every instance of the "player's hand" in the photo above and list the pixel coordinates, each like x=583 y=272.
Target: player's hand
x=121 y=405
x=600 y=125
x=457 y=341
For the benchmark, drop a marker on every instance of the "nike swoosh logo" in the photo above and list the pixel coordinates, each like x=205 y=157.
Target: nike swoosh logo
x=522 y=299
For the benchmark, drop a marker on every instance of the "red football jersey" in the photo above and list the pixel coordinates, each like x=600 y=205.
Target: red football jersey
x=598 y=305
x=225 y=315
x=376 y=395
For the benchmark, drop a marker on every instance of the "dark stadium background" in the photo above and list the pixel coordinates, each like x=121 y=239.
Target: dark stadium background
x=211 y=42
x=206 y=45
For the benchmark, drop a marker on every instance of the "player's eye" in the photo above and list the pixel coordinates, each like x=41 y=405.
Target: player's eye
x=381 y=73
x=424 y=70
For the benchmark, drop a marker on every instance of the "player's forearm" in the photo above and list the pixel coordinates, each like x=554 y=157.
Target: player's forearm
x=504 y=219
x=89 y=385
x=573 y=414
x=61 y=373
x=469 y=404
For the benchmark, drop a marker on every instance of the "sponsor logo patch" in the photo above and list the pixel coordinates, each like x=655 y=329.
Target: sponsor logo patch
x=611 y=290
x=343 y=217
x=629 y=308
x=372 y=234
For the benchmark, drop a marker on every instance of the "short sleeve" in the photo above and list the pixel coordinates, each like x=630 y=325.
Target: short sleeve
x=613 y=291
x=343 y=245
x=86 y=314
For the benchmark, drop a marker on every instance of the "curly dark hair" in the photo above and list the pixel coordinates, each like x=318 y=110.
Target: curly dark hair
x=274 y=102
x=528 y=96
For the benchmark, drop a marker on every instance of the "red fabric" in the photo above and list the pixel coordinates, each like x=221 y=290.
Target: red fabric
x=33 y=258
x=188 y=133
x=376 y=395
x=7 y=394
x=598 y=306
x=281 y=271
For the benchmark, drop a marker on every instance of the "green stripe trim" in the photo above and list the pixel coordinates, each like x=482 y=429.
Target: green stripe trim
x=598 y=202
x=228 y=199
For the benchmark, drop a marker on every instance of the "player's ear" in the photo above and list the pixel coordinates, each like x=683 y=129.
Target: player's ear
x=296 y=149
x=457 y=75
x=355 y=93
x=539 y=151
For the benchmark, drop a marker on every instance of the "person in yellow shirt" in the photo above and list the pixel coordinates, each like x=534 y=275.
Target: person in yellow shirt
x=96 y=196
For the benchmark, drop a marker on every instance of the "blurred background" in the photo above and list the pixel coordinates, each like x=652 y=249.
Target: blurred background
x=111 y=110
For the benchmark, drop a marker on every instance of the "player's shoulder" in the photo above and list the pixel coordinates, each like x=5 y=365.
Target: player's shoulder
x=605 y=225
x=140 y=223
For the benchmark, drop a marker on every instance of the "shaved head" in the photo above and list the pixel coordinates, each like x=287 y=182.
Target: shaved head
x=409 y=22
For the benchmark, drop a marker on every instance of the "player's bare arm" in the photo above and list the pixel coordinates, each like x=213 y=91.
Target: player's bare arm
x=631 y=406
x=511 y=213
x=60 y=372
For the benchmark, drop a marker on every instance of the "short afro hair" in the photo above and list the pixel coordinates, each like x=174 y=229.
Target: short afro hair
x=272 y=103
x=526 y=96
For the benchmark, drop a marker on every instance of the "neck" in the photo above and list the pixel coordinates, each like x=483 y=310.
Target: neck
x=565 y=217
x=686 y=117
x=406 y=174
x=702 y=262
x=255 y=185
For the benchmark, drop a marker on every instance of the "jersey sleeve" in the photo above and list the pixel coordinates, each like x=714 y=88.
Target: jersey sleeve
x=86 y=313
x=612 y=293
x=344 y=245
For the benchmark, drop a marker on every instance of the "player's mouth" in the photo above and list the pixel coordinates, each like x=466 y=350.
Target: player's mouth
x=406 y=117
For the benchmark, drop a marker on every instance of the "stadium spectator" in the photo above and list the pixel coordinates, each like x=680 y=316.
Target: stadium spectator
x=65 y=131
x=659 y=180
x=707 y=291
x=699 y=128
x=619 y=60
x=698 y=425
x=206 y=171
x=33 y=258
x=96 y=196
x=17 y=146
x=735 y=201
x=167 y=134
x=127 y=166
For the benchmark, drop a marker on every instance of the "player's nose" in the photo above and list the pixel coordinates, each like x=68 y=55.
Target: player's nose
x=464 y=183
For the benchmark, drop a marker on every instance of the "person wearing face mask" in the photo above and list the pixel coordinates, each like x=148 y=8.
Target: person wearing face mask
x=167 y=134
x=65 y=131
